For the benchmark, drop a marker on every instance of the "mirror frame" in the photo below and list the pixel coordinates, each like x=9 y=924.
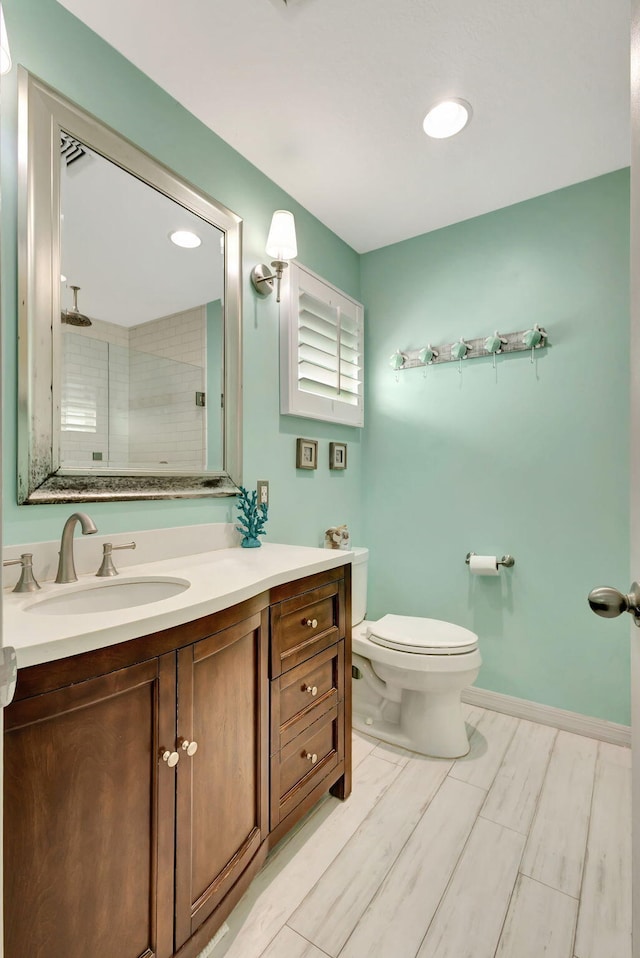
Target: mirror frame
x=42 y=114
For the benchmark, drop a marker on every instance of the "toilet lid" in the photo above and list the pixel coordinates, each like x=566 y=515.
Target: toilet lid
x=408 y=633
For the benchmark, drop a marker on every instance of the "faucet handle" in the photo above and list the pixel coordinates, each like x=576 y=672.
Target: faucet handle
x=26 y=582
x=107 y=568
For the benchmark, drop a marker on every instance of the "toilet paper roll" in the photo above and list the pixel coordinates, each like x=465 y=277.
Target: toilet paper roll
x=483 y=565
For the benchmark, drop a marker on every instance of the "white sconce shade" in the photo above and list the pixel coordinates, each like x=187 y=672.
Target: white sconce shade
x=5 y=54
x=281 y=246
x=281 y=242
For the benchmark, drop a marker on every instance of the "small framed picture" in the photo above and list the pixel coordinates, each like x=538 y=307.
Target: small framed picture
x=337 y=455
x=306 y=454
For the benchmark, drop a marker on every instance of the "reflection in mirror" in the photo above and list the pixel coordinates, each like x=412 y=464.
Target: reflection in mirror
x=130 y=318
x=142 y=358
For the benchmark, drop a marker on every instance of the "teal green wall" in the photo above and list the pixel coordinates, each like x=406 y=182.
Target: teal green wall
x=530 y=459
x=57 y=47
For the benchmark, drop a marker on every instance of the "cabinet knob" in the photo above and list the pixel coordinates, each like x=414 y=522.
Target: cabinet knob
x=311 y=689
x=311 y=758
x=171 y=758
x=311 y=623
x=190 y=747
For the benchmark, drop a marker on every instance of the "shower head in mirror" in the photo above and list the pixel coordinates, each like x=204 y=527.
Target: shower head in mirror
x=73 y=317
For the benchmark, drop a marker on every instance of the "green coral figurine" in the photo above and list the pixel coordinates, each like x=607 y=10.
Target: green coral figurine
x=252 y=518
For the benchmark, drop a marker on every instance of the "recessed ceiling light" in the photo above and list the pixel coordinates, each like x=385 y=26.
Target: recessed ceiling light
x=185 y=238
x=447 y=118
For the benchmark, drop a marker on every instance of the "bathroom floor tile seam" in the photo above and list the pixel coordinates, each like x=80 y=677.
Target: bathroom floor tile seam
x=545 y=873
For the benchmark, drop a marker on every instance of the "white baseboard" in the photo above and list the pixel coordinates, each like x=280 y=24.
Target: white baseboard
x=547 y=715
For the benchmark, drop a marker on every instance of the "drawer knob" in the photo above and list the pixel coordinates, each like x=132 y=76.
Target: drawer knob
x=311 y=689
x=311 y=623
x=171 y=758
x=190 y=747
x=311 y=758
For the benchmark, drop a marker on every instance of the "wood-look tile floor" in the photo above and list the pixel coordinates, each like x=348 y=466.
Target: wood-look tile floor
x=518 y=850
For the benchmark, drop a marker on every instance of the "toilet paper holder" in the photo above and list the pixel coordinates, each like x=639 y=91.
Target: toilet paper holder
x=506 y=561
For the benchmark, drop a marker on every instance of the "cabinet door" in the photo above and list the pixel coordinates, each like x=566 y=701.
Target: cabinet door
x=88 y=818
x=222 y=788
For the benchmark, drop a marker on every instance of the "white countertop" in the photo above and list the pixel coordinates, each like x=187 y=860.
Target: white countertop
x=218 y=579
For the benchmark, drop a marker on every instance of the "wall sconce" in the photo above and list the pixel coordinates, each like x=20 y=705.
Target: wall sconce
x=5 y=54
x=281 y=244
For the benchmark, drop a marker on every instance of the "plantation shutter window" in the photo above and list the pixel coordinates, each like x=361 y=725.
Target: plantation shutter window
x=322 y=345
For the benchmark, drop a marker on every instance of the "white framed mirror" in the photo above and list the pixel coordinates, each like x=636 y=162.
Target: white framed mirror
x=130 y=318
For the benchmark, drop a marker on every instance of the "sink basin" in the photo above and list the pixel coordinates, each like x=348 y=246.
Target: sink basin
x=110 y=596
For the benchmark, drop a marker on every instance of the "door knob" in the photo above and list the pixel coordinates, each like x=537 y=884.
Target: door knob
x=190 y=747
x=171 y=758
x=610 y=603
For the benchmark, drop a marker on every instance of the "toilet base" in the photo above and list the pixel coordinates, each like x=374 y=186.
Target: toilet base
x=428 y=721
x=434 y=723
x=389 y=732
x=454 y=745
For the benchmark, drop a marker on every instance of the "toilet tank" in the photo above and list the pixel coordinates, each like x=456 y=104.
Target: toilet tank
x=360 y=564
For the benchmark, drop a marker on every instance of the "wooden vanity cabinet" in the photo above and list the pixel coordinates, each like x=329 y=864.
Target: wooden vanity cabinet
x=145 y=782
x=110 y=848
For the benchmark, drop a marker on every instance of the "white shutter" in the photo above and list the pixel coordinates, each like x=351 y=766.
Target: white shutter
x=322 y=346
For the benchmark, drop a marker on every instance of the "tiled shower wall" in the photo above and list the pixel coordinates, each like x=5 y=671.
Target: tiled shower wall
x=119 y=389
x=166 y=371
x=89 y=354
x=129 y=393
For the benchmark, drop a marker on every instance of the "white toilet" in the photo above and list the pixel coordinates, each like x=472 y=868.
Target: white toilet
x=408 y=675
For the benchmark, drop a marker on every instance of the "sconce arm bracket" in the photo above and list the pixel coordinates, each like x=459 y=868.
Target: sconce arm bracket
x=262 y=279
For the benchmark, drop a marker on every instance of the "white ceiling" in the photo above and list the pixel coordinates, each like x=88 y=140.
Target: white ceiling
x=115 y=246
x=327 y=97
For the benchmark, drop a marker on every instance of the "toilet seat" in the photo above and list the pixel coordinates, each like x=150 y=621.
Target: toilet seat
x=407 y=633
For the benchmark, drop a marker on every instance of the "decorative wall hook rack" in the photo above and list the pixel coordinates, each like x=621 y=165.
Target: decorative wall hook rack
x=522 y=341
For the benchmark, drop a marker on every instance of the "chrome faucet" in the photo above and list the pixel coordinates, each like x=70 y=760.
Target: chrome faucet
x=66 y=567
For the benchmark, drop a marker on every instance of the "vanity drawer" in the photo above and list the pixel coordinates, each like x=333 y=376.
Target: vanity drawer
x=306 y=624
x=305 y=761
x=302 y=695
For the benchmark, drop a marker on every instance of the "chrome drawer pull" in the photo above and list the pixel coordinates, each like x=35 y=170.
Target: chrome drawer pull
x=311 y=623
x=311 y=758
x=311 y=689
x=171 y=758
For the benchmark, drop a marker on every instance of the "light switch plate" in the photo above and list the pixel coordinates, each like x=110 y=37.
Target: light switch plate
x=263 y=492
